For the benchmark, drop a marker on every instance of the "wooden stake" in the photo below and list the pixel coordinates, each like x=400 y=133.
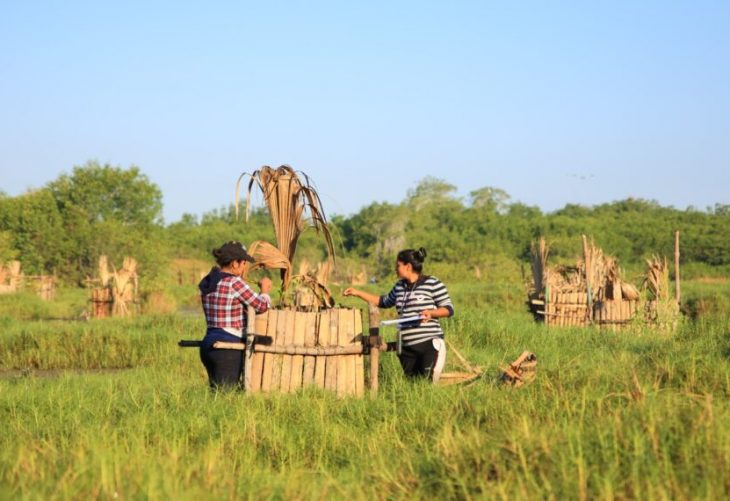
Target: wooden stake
x=676 y=268
x=374 y=342
x=268 y=358
x=297 y=362
x=248 y=353
x=310 y=336
x=344 y=374
x=323 y=339
x=331 y=362
x=286 y=364
x=279 y=340
x=359 y=362
x=257 y=362
x=589 y=291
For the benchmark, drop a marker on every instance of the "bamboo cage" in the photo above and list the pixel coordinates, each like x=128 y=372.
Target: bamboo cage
x=591 y=292
x=319 y=349
x=325 y=349
x=114 y=293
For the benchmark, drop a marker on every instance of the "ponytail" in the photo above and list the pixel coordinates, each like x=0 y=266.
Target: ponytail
x=413 y=257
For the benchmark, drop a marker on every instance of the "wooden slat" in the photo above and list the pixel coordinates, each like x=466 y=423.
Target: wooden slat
x=268 y=358
x=359 y=359
x=345 y=369
x=323 y=338
x=352 y=360
x=286 y=361
x=297 y=361
x=331 y=362
x=310 y=336
x=257 y=361
x=279 y=340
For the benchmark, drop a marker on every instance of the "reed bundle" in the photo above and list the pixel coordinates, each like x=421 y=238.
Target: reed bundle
x=114 y=290
x=657 y=278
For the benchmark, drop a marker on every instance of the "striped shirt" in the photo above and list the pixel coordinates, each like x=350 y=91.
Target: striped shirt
x=427 y=293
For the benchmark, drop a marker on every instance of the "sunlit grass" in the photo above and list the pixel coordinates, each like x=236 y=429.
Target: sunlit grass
x=634 y=414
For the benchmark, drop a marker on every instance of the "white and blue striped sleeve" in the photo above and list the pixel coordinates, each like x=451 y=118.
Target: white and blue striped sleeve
x=388 y=300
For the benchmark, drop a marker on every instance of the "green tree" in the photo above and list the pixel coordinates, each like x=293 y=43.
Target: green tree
x=32 y=229
x=428 y=191
x=491 y=199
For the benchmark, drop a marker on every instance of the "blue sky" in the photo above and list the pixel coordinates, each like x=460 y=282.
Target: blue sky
x=554 y=102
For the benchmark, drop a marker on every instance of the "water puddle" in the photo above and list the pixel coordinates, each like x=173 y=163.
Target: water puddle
x=53 y=373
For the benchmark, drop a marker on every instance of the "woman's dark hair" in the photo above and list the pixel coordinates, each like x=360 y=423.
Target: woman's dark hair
x=413 y=257
x=229 y=252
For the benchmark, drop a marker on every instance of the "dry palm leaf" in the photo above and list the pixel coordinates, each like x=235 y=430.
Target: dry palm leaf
x=657 y=277
x=629 y=291
x=289 y=198
x=266 y=256
x=104 y=273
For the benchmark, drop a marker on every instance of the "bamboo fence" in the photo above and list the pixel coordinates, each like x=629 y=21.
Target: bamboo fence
x=593 y=291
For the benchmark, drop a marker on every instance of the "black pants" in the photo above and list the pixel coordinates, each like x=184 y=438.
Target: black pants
x=223 y=366
x=419 y=360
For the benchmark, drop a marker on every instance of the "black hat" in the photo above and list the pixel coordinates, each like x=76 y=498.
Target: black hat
x=232 y=251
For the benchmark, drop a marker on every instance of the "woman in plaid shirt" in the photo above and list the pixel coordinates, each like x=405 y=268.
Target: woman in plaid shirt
x=226 y=297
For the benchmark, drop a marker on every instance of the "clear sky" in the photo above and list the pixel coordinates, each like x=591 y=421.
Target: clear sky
x=554 y=102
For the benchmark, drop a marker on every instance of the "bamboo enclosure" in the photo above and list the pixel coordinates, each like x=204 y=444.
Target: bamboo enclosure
x=114 y=293
x=594 y=291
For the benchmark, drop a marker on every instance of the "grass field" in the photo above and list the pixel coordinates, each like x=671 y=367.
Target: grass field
x=114 y=409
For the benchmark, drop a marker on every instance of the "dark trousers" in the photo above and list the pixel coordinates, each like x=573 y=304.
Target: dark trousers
x=418 y=360
x=223 y=366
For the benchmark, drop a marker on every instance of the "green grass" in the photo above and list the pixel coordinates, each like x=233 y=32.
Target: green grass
x=635 y=414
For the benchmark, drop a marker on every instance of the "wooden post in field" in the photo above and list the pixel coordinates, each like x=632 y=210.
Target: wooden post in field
x=374 y=344
x=589 y=295
x=676 y=267
x=248 y=353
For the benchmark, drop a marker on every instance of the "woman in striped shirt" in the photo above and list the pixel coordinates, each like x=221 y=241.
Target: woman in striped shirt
x=423 y=352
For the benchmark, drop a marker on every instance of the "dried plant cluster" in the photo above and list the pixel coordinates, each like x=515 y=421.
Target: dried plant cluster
x=114 y=292
x=594 y=290
x=294 y=205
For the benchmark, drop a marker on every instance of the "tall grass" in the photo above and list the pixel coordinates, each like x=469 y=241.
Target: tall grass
x=634 y=414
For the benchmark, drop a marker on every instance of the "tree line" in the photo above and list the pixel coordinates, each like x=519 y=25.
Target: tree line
x=96 y=209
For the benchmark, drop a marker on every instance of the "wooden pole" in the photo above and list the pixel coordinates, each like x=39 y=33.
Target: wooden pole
x=589 y=292
x=250 y=328
x=676 y=267
x=374 y=343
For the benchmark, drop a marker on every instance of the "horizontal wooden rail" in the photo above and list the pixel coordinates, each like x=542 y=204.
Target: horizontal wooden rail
x=294 y=349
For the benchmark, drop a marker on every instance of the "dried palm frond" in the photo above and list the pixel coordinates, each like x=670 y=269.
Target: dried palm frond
x=629 y=291
x=311 y=293
x=124 y=286
x=104 y=273
x=266 y=256
x=322 y=274
x=289 y=198
x=657 y=277
x=304 y=267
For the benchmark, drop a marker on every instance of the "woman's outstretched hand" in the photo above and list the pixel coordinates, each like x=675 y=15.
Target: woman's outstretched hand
x=265 y=285
x=350 y=291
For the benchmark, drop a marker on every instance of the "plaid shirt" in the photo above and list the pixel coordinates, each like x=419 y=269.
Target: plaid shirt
x=224 y=307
